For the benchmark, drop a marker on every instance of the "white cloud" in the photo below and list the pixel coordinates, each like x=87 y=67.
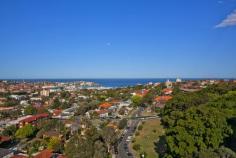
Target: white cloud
x=230 y=20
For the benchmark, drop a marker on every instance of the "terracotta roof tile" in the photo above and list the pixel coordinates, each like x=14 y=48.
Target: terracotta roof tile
x=105 y=105
x=47 y=153
x=163 y=98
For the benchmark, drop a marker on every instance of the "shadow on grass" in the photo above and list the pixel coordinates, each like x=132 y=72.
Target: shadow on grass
x=160 y=146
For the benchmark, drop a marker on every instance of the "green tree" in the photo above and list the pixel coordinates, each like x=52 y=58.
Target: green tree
x=9 y=131
x=109 y=136
x=208 y=127
x=140 y=127
x=56 y=104
x=100 y=150
x=55 y=144
x=30 y=110
x=26 y=131
x=122 y=124
x=136 y=100
x=198 y=124
x=148 y=98
x=90 y=145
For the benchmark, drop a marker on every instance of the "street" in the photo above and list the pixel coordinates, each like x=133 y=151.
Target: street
x=123 y=147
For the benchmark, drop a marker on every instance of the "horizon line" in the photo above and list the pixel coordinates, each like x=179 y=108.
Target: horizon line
x=117 y=78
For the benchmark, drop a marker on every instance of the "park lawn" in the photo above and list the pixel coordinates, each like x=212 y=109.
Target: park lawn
x=148 y=137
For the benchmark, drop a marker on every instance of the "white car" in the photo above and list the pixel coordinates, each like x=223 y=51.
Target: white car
x=128 y=140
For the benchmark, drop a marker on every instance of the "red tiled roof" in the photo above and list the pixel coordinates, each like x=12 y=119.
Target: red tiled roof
x=4 y=138
x=47 y=153
x=115 y=101
x=166 y=90
x=35 y=117
x=163 y=98
x=57 y=112
x=112 y=125
x=105 y=105
x=142 y=92
x=3 y=99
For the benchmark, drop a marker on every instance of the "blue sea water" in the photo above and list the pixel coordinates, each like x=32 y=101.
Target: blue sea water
x=108 y=82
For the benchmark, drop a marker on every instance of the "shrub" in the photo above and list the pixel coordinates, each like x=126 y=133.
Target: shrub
x=136 y=147
x=134 y=140
x=140 y=127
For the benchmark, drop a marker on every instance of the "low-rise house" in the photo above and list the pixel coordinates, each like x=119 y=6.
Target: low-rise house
x=33 y=119
x=17 y=97
x=2 y=100
x=47 y=153
x=18 y=120
x=3 y=123
x=167 y=91
x=102 y=113
x=6 y=108
x=124 y=104
x=52 y=88
x=35 y=99
x=82 y=97
x=161 y=100
x=113 y=125
x=56 y=113
x=67 y=113
x=193 y=86
x=4 y=139
x=45 y=92
x=141 y=93
x=105 y=105
x=3 y=90
x=24 y=102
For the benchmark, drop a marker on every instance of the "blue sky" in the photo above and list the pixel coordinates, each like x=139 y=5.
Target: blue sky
x=117 y=38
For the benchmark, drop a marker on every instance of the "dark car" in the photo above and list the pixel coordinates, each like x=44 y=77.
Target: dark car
x=129 y=154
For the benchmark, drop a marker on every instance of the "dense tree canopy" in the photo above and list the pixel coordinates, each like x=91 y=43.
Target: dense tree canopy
x=197 y=123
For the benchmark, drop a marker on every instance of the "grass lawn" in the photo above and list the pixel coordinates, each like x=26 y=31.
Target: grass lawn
x=149 y=134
